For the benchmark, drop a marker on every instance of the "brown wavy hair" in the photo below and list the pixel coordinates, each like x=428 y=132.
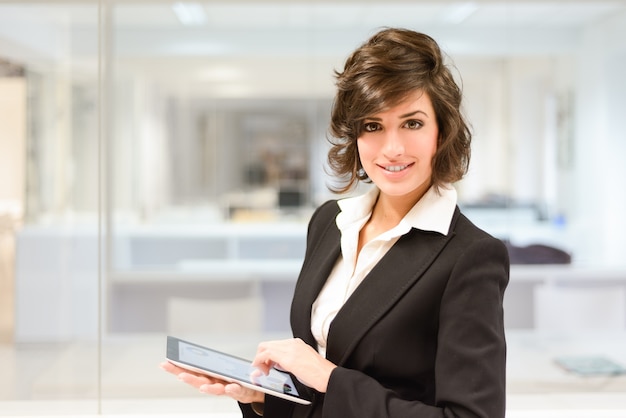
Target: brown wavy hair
x=382 y=73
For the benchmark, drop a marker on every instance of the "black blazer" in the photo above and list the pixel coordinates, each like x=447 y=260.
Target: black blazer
x=423 y=334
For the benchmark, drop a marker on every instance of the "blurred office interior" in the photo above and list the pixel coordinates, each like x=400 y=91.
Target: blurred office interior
x=160 y=160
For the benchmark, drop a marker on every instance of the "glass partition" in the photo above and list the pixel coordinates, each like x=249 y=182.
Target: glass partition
x=161 y=161
x=49 y=193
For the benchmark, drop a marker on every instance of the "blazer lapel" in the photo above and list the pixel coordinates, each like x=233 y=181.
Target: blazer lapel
x=380 y=290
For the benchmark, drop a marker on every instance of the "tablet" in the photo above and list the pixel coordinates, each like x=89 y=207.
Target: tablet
x=224 y=366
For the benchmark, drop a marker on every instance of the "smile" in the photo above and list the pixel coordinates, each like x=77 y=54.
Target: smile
x=396 y=168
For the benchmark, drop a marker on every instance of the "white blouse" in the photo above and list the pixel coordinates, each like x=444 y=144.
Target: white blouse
x=433 y=212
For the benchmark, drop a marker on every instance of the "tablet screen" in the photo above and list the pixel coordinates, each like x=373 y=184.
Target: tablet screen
x=230 y=367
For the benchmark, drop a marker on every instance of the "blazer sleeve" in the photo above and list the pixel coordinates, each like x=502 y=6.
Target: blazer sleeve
x=321 y=219
x=471 y=350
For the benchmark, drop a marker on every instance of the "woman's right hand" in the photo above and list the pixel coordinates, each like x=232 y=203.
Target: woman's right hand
x=213 y=386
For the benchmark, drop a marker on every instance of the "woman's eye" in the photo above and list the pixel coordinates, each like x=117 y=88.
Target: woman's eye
x=370 y=127
x=413 y=124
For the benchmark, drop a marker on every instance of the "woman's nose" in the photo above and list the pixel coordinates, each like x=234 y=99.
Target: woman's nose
x=393 y=145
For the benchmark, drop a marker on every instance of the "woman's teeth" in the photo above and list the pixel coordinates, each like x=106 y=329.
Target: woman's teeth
x=395 y=168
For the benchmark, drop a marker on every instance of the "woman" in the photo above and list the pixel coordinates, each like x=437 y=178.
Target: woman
x=397 y=311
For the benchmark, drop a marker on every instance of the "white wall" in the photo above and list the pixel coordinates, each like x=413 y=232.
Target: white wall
x=600 y=143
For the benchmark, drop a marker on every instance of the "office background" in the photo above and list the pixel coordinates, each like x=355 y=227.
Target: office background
x=159 y=162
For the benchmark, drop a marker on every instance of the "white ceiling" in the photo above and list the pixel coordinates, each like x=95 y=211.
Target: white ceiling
x=323 y=26
x=295 y=44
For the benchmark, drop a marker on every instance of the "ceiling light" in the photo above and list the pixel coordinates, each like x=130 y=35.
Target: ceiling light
x=190 y=14
x=459 y=12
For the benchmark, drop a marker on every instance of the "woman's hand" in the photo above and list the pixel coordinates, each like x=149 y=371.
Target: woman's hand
x=210 y=385
x=297 y=357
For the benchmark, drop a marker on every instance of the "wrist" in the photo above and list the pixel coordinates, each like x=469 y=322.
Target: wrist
x=326 y=378
x=258 y=398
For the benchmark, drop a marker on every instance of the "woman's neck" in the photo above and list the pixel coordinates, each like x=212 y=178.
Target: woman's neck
x=389 y=210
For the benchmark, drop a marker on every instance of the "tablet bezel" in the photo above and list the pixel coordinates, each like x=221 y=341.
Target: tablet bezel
x=172 y=355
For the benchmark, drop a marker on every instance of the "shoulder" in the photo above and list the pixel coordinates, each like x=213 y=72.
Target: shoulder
x=467 y=236
x=475 y=256
x=464 y=228
x=322 y=228
x=322 y=219
x=330 y=206
x=326 y=212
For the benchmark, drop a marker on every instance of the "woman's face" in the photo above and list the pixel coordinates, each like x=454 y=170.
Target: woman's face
x=396 y=147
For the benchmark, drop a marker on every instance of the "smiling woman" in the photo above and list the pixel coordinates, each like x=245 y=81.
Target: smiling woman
x=398 y=263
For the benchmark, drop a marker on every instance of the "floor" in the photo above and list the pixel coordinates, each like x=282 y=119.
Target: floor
x=63 y=379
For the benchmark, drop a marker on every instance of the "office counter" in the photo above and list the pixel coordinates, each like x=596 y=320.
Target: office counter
x=158 y=276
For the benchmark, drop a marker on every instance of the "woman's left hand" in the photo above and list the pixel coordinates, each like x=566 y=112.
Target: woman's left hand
x=297 y=357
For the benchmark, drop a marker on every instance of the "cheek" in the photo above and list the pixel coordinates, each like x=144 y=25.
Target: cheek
x=421 y=150
x=364 y=148
x=429 y=147
x=433 y=150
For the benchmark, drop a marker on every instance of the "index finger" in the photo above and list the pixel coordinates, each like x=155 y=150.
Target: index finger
x=261 y=366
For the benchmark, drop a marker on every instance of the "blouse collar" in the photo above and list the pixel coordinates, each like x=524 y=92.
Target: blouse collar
x=433 y=212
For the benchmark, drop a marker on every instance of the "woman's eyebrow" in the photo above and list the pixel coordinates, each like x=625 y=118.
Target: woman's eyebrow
x=406 y=115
